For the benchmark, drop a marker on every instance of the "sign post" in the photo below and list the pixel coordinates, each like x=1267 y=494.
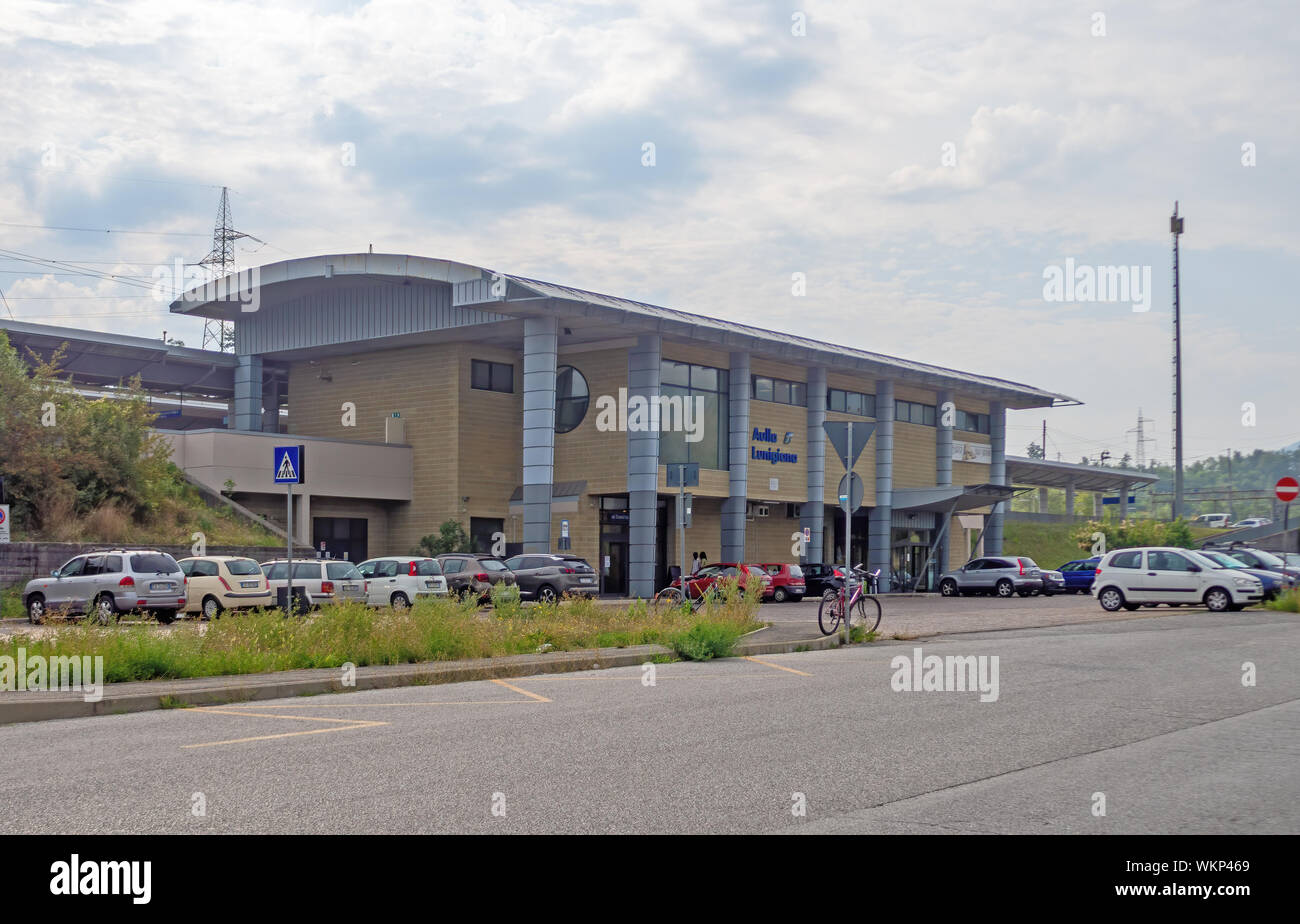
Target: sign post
x=1286 y=489
x=849 y=441
x=288 y=469
x=683 y=475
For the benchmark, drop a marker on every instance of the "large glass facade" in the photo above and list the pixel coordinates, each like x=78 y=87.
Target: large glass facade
x=689 y=382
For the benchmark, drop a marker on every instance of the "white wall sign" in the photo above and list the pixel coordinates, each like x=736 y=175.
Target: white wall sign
x=972 y=452
x=4 y=522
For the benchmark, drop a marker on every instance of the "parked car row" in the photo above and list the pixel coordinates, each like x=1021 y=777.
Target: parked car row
x=107 y=582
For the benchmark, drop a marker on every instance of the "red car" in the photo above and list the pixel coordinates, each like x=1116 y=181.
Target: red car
x=709 y=575
x=787 y=581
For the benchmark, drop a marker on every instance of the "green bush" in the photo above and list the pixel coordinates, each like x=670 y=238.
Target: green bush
x=1134 y=533
x=706 y=640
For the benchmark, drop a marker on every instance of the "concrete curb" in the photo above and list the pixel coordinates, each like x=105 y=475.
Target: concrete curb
x=211 y=691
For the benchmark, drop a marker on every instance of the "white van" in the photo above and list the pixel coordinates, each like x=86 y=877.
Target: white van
x=1212 y=520
x=1129 y=578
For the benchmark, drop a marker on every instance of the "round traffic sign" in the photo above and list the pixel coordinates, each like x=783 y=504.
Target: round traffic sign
x=851 y=492
x=1287 y=489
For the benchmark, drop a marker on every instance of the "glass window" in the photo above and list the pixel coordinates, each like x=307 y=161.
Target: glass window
x=453 y=565
x=491 y=564
x=711 y=450
x=762 y=388
x=781 y=392
x=153 y=563
x=274 y=571
x=1127 y=560
x=852 y=403
x=516 y=563
x=705 y=377
x=427 y=568
x=490 y=376
x=343 y=570
x=307 y=571
x=835 y=399
x=799 y=394
x=206 y=569
x=671 y=373
x=386 y=569
x=571 y=398
x=112 y=564
x=94 y=565
x=928 y=418
x=242 y=566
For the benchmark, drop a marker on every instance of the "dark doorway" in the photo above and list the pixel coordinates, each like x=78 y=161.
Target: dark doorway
x=481 y=530
x=341 y=537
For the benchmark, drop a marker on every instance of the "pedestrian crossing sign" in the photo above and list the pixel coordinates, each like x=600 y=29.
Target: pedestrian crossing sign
x=289 y=461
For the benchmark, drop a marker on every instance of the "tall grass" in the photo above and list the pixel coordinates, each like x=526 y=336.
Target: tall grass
x=431 y=630
x=1288 y=602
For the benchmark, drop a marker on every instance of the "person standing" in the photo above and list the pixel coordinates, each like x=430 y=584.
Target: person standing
x=695 y=563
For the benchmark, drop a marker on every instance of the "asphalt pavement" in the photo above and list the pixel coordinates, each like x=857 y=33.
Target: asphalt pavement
x=1148 y=716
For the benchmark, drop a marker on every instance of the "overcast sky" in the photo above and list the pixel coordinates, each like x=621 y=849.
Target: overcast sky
x=924 y=165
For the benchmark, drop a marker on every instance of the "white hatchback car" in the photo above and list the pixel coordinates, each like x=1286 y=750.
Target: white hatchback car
x=324 y=580
x=1129 y=578
x=400 y=580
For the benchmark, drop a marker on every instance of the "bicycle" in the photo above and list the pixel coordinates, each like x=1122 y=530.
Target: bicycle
x=673 y=596
x=833 y=607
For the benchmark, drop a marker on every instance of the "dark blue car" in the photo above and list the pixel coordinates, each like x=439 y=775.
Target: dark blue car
x=1079 y=574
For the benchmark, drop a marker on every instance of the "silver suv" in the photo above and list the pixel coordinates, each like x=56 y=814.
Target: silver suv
x=107 y=582
x=998 y=574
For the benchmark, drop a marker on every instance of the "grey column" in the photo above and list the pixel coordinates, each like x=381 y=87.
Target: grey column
x=733 y=508
x=539 y=430
x=1042 y=500
x=1123 y=500
x=1069 y=499
x=812 y=514
x=943 y=468
x=882 y=515
x=271 y=406
x=1096 y=504
x=997 y=474
x=642 y=470
x=248 y=393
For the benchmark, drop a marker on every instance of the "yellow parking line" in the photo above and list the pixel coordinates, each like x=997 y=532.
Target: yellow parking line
x=777 y=666
x=511 y=686
x=344 y=725
x=449 y=702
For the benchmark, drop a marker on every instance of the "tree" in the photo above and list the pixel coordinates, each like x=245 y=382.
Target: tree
x=64 y=454
x=1034 y=451
x=451 y=537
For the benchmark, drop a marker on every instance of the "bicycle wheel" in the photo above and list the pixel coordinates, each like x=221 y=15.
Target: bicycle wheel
x=829 y=612
x=868 y=613
x=669 y=595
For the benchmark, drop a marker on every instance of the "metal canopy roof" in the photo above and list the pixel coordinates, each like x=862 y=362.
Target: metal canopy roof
x=1043 y=474
x=601 y=316
x=942 y=500
x=95 y=358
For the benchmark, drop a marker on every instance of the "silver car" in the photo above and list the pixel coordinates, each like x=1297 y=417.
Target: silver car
x=108 y=582
x=1002 y=575
x=324 y=580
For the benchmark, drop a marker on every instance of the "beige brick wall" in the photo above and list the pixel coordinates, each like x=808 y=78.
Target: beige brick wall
x=489 y=443
x=585 y=453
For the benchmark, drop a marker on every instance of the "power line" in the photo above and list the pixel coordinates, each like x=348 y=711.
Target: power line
x=12 y=224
